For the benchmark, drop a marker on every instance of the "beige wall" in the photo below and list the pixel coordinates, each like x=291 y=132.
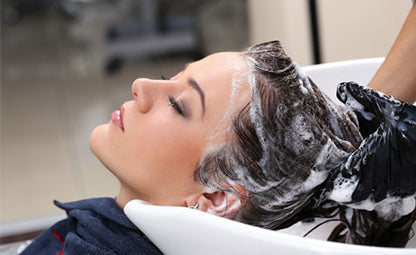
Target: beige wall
x=349 y=29
x=284 y=20
x=353 y=29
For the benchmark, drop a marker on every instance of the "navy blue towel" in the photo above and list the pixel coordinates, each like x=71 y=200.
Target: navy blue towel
x=93 y=226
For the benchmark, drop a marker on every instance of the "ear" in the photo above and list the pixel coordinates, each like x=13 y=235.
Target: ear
x=221 y=203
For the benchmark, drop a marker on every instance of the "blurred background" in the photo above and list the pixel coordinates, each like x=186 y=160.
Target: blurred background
x=66 y=65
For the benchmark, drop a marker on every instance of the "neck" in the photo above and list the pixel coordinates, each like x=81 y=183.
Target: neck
x=125 y=195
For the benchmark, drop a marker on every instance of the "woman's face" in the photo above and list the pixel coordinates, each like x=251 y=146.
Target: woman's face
x=154 y=143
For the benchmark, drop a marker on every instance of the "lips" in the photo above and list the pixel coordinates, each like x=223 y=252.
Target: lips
x=117 y=118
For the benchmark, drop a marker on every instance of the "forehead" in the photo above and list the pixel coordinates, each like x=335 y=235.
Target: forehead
x=224 y=79
x=224 y=61
x=220 y=70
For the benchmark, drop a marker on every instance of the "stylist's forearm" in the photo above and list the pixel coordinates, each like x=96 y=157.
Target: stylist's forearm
x=397 y=75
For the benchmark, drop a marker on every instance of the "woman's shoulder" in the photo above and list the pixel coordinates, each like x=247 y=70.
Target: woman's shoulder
x=94 y=226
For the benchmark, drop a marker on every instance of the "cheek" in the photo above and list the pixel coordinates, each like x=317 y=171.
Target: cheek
x=161 y=142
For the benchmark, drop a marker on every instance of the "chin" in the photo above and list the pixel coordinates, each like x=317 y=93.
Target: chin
x=99 y=144
x=98 y=137
x=103 y=143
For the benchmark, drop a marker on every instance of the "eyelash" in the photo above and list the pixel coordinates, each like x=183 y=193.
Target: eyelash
x=175 y=105
x=173 y=102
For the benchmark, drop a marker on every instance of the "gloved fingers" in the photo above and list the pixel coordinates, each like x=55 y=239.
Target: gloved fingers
x=358 y=98
x=370 y=103
x=364 y=153
x=383 y=164
x=360 y=167
x=408 y=115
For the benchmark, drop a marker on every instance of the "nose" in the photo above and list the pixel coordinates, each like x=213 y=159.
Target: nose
x=148 y=92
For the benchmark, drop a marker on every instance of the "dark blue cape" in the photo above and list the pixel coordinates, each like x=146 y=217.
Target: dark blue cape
x=93 y=226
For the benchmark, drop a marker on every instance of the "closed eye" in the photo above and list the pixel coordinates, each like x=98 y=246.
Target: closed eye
x=176 y=106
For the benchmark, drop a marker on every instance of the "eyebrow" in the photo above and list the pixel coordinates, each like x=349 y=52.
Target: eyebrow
x=196 y=86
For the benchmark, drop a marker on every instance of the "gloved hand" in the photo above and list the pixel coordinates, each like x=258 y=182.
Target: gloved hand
x=385 y=162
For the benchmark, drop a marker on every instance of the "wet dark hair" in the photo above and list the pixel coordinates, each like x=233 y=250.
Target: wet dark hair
x=284 y=142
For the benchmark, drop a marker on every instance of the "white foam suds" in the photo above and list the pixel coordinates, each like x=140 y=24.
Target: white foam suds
x=219 y=210
x=391 y=208
x=233 y=206
x=304 y=83
x=328 y=151
x=302 y=129
x=313 y=180
x=368 y=205
x=332 y=119
x=256 y=114
x=349 y=213
x=352 y=103
x=343 y=189
x=302 y=88
x=254 y=185
x=237 y=81
x=224 y=208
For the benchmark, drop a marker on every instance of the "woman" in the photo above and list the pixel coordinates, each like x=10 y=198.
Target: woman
x=240 y=134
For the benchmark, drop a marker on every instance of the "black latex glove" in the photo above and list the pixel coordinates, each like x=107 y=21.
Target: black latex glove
x=385 y=162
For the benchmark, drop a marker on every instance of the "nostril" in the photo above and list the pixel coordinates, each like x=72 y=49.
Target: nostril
x=145 y=92
x=135 y=88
